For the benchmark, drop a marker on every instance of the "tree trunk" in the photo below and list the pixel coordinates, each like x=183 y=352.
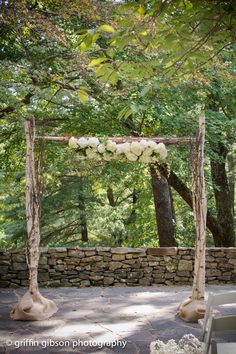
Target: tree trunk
x=222 y=197
x=132 y=217
x=231 y=179
x=221 y=186
x=83 y=220
x=175 y=182
x=172 y=209
x=163 y=208
x=110 y=197
x=82 y=209
x=193 y=309
x=33 y=306
x=84 y=228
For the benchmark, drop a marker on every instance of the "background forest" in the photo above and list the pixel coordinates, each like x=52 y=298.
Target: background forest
x=117 y=68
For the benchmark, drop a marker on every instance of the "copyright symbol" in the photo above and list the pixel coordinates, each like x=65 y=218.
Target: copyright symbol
x=9 y=343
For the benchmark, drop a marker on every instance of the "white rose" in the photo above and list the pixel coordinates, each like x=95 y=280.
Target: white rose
x=73 y=143
x=131 y=157
x=111 y=146
x=101 y=148
x=145 y=159
x=83 y=142
x=136 y=148
x=93 y=142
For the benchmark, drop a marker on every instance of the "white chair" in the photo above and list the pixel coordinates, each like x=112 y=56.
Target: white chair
x=218 y=326
x=213 y=301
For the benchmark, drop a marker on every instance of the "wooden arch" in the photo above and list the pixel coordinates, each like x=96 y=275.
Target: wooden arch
x=33 y=306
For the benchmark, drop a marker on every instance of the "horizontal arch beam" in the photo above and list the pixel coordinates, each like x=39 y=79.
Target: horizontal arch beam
x=124 y=139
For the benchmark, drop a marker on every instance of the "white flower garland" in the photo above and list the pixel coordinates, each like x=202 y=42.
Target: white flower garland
x=144 y=151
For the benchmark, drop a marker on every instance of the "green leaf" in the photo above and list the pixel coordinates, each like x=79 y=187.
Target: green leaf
x=107 y=28
x=83 y=96
x=104 y=70
x=114 y=78
x=141 y=10
x=145 y=90
x=125 y=112
x=134 y=108
x=95 y=37
x=128 y=113
x=97 y=61
x=83 y=47
x=169 y=64
x=110 y=52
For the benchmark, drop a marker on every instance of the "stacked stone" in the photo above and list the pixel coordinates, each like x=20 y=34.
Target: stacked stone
x=105 y=266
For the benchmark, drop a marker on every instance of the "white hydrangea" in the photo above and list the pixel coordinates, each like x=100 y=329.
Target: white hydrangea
x=131 y=157
x=73 y=143
x=151 y=144
x=111 y=146
x=93 y=142
x=119 y=149
x=122 y=148
x=154 y=159
x=161 y=150
x=145 y=151
x=80 y=157
x=145 y=159
x=91 y=154
x=126 y=148
x=83 y=142
x=163 y=154
x=136 y=148
x=148 y=152
x=101 y=148
x=107 y=156
x=88 y=152
x=115 y=156
x=143 y=143
x=159 y=146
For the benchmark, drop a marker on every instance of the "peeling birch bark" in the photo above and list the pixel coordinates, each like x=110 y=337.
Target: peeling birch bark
x=193 y=308
x=33 y=306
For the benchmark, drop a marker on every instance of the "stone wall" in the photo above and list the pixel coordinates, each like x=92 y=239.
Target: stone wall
x=104 y=266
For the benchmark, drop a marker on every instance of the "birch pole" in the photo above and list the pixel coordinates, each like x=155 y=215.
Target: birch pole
x=33 y=306
x=193 y=308
x=32 y=209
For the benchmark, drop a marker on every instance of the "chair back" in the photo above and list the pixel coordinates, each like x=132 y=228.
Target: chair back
x=224 y=325
x=213 y=301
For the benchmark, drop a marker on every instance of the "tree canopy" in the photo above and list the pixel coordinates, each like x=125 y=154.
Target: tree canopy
x=115 y=68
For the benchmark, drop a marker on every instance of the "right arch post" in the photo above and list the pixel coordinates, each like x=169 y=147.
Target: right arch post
x=193 y=308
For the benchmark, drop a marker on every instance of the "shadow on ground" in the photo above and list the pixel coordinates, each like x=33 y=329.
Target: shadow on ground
x=126 y=318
